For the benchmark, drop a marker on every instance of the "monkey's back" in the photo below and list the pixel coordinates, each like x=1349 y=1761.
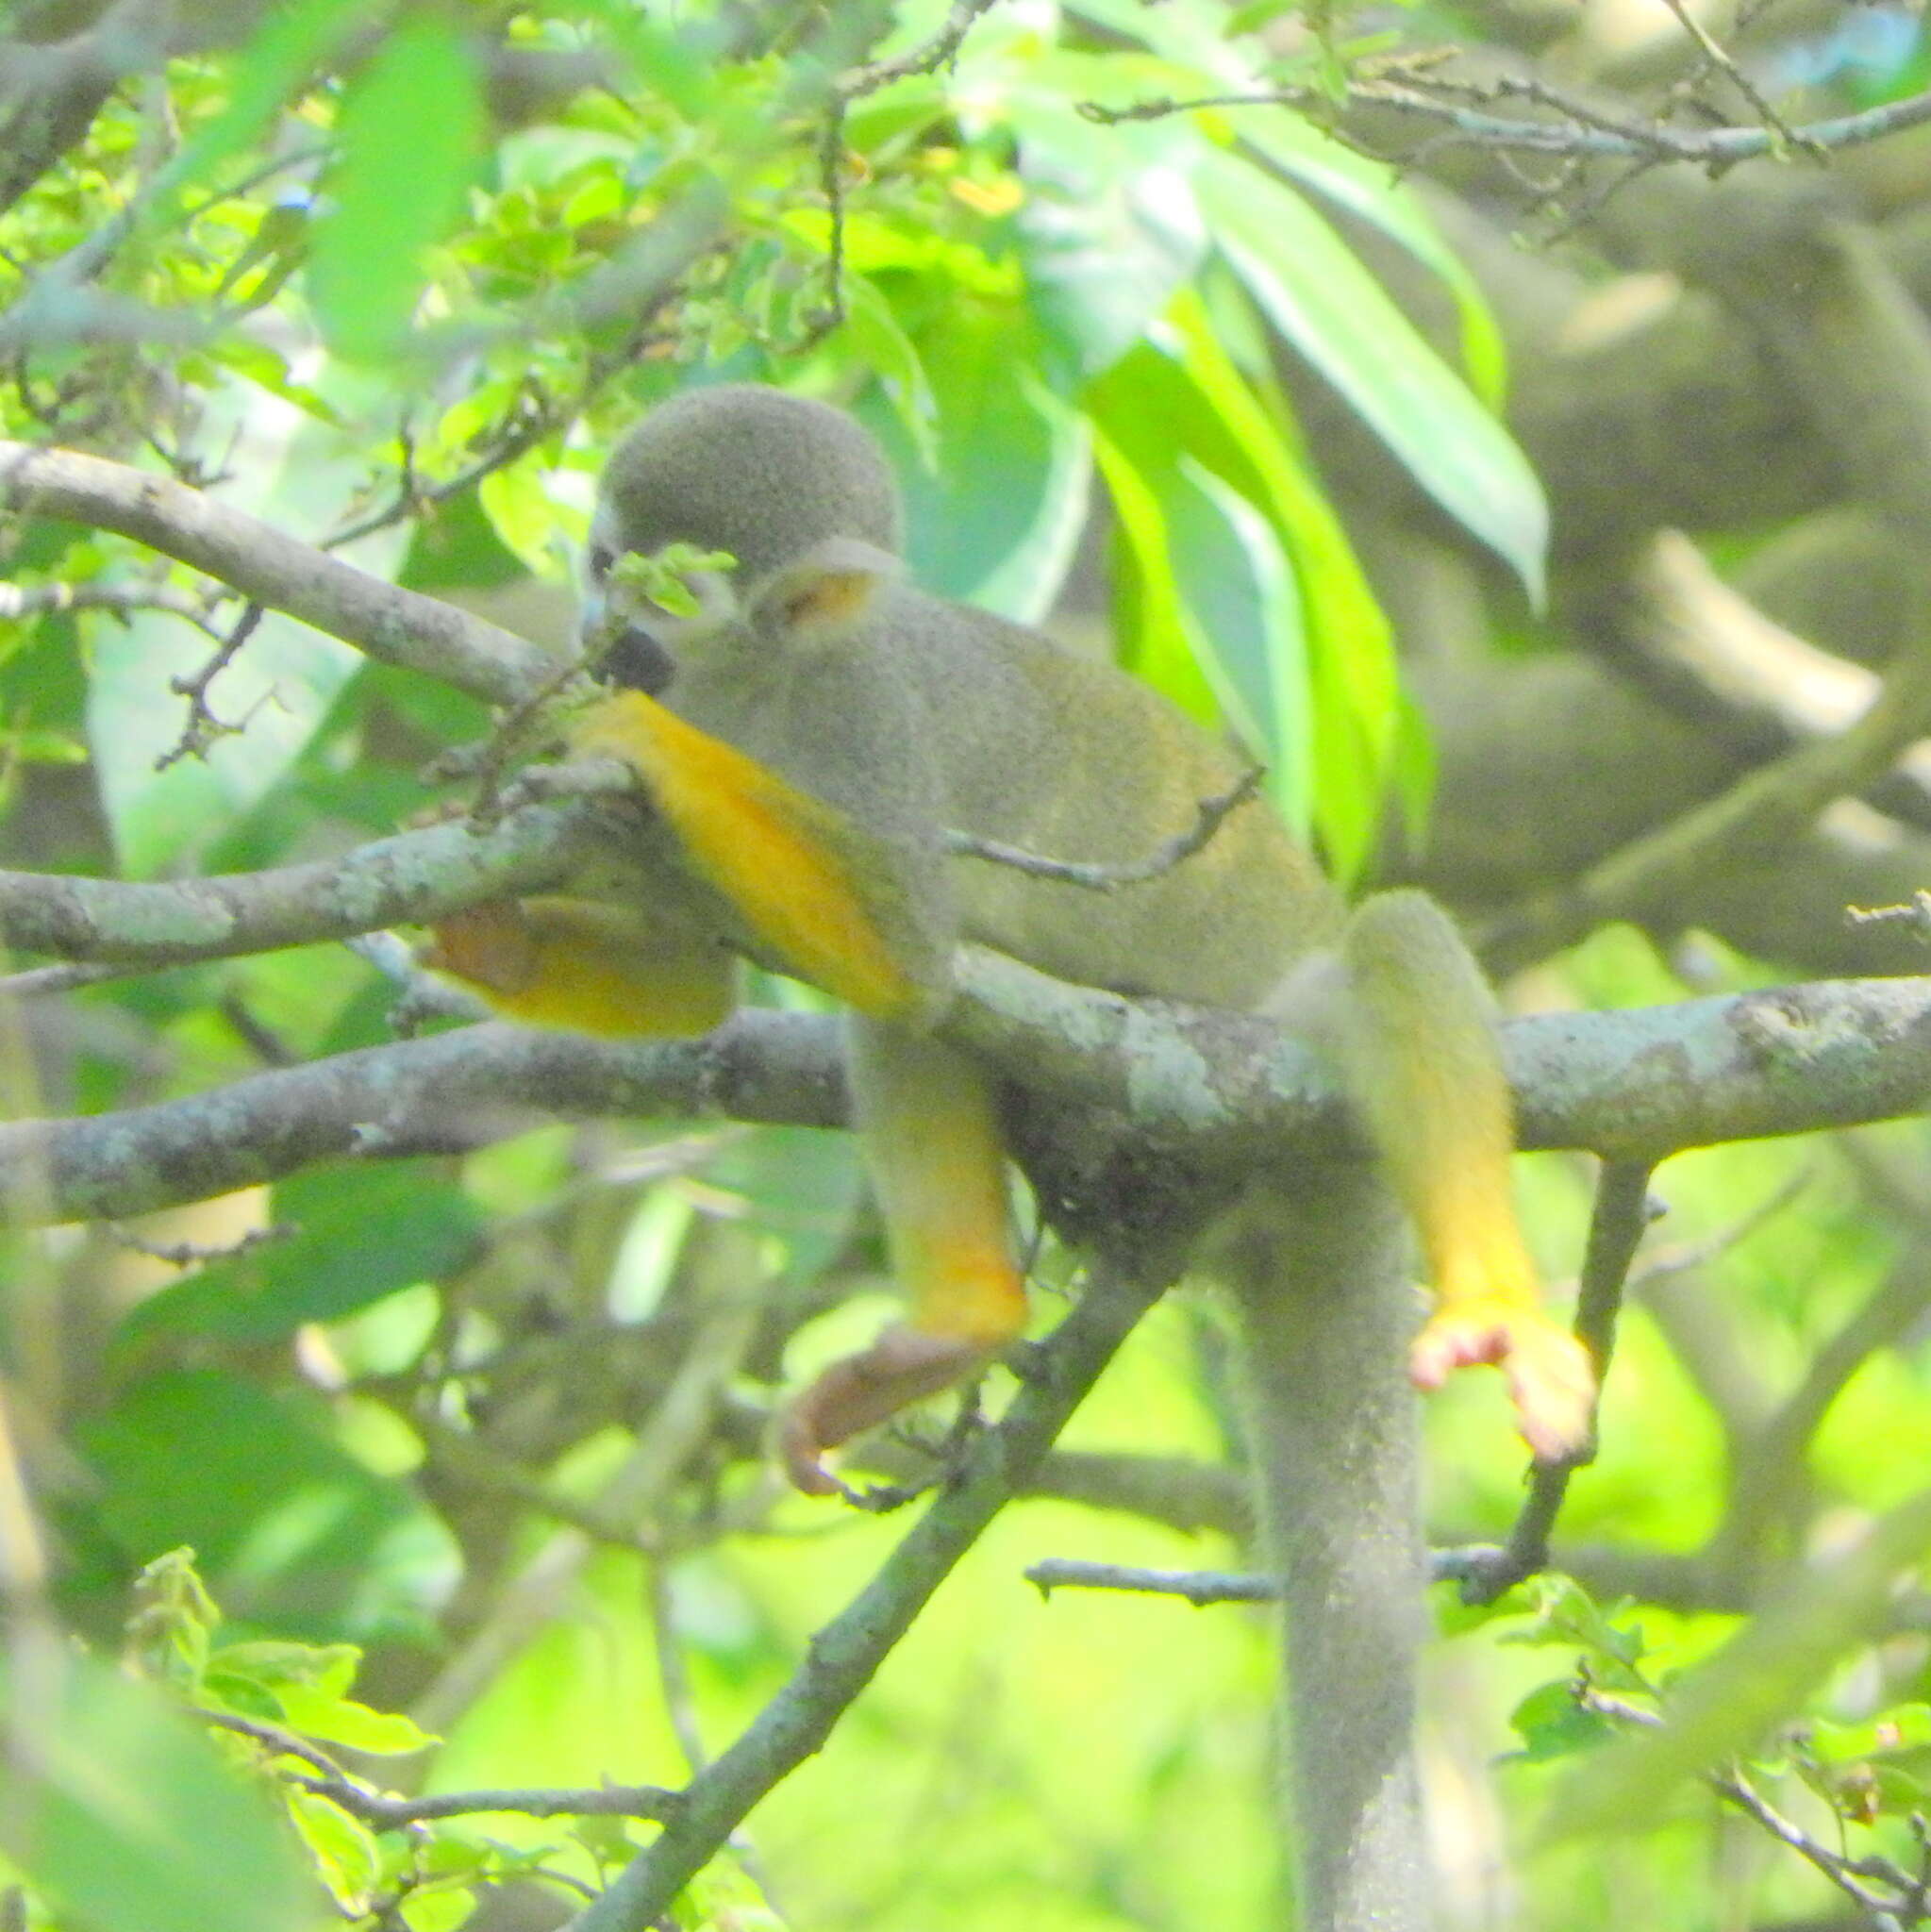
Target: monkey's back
x=1076 y=760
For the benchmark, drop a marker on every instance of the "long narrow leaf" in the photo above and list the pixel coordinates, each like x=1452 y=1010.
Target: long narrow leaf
x=1321 y=298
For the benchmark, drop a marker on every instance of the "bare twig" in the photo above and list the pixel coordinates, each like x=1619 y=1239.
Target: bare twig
x=387 y=1812
x=1717 y=58
x=119 y=600
x=1584 y=132
x=1844 y=1873
x=195 y=1254
x=203 y=726
x=1196 y=1586
x=1916 y=914
x=1100 y=876
x=926 y=58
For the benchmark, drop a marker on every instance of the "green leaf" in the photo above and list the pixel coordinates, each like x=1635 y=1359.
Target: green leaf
x=1553 y=1724
x=523 y=516
x=289 y=1527
x=883 y=341
x=1334 y=312
x=1727 y=1704
x=999 y=523
x=1364 y=188
x=1352 y=694
x=409 y=136
x=293 y=41
x=437 y=1908
x=118 y=1809
x=359 y=1234
x=1903 y=1727
x=262 y=1668
x=172 y=1624
x=335 y=1719
x=1110 y=229
x=1159 y=638
x=343 y=1849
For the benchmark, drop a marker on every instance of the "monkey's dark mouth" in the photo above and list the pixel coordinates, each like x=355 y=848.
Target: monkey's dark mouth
x=637 y=661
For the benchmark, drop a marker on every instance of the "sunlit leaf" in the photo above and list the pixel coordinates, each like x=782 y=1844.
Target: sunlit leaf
x=120 y=1811
x=409 y=133
x=999 y=523
x=1333 y=311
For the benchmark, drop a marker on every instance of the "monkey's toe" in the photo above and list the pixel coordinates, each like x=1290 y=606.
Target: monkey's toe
x=1552 y=1381
x=900 y=1367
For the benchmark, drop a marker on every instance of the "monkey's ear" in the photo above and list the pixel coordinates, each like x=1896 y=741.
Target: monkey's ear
x=831 y=585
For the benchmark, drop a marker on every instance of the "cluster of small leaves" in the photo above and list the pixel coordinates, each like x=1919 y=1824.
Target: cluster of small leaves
x=1872 y=1773
x=278 y=1714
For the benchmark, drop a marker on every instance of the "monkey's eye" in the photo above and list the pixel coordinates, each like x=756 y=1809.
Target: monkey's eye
x=601 y=557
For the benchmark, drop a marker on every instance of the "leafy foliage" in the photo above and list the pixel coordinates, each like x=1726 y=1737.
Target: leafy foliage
x=393 y=278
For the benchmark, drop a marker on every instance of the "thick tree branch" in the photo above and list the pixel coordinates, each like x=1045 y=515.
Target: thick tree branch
x=1231 y=1089
x=274 y=569
x=407 y=879
x=1702 y=649
x=458 y=1090
x=1752 y=819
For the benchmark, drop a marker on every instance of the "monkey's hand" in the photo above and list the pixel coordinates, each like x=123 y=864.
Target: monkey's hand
x=902 y=1366
x=1551 y=1379
x=804 y=875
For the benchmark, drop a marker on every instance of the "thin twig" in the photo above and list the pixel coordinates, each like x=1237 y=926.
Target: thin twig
x=1581 y=134
x=1101 y=876
x=119 y=600
x=1196 y=1586
x=196 y=1253
x=1718 y=59
x=926 y=58
x=386 y=1811
x=1731 y=1785
x=203 y=726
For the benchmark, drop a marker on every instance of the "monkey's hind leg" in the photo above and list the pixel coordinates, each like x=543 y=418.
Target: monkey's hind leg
x=938 y=1165
x=584 y=967
x=1417 y=1041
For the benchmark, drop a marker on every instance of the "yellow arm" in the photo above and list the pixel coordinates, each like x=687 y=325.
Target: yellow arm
x=808 y=880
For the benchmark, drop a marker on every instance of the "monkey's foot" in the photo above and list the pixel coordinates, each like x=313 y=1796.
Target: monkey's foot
x=903 y=1365
x=490 y=947
x=1551 y=1379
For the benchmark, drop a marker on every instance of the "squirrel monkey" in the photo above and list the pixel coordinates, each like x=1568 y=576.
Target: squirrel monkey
x=808 y=735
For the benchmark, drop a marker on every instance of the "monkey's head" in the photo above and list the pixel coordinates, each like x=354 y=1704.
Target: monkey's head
x=795 y=490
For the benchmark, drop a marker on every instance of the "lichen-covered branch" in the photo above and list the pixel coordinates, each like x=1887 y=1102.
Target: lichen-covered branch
x=458 y=1090
x=409 y=879
x=1636 y=1085
x=272 y=568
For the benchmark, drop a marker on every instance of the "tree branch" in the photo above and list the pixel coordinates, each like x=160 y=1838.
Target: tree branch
x=844 y=1654
x=1231 y=1088
x=272 y=568
x=408 y=879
